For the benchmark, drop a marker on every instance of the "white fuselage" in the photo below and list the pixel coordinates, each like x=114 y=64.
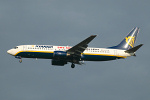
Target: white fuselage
x=19 y=50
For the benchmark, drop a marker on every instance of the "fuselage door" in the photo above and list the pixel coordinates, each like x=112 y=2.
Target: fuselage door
x=115 y=52
x=24 y=47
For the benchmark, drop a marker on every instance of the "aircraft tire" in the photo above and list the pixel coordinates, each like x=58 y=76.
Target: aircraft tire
x=72 y=65
x=20 y=60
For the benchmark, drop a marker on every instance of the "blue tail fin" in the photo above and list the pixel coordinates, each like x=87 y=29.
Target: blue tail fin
x=129 y=41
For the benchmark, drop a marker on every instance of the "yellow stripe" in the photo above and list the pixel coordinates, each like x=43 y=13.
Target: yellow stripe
x=103 y=55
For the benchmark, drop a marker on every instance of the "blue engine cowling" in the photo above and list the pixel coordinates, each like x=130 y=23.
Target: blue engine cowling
x=60 y=54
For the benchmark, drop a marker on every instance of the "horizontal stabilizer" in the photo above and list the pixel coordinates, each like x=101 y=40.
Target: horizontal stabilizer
x=134 y=49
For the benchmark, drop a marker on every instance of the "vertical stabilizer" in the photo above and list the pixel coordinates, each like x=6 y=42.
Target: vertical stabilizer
x=129 y=41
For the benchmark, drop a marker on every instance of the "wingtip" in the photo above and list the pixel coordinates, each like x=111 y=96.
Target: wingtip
x=93 y=35
x=137 y=28
x=141 y=45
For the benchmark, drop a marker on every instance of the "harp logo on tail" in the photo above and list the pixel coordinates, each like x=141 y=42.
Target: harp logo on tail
x=130 y=40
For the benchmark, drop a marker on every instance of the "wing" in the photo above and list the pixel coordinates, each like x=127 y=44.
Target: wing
x=80 y=47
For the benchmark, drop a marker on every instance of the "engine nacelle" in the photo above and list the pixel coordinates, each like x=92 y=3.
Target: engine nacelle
x=60 y=54
x=58 y=62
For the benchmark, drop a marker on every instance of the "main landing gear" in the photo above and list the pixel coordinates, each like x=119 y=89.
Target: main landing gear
x=72 y=65
x=20 y=60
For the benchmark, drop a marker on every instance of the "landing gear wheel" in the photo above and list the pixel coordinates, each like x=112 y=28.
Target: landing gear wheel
x=72 y=65
x=20 y=60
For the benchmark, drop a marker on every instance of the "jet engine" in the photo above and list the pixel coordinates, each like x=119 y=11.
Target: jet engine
x=60 y=54
x=58 y=62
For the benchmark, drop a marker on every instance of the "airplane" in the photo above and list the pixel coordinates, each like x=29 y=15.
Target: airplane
x=79 y=53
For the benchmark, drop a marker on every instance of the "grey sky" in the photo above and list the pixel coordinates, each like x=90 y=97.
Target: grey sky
x=67 y=22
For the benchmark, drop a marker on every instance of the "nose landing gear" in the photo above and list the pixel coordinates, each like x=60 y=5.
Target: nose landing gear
x=19 y=57
x=20 y=60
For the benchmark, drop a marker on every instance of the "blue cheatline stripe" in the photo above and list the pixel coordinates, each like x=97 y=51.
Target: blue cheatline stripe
x=99 y=57
x=35 y=54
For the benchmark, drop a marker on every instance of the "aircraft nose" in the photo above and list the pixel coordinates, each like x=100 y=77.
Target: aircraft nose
x=9 y=51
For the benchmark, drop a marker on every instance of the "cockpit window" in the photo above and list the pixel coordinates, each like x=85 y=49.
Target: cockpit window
x=15 y=47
